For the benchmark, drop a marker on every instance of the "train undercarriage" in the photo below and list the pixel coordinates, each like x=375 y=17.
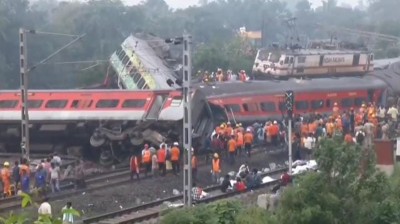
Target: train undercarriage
x=108 y=142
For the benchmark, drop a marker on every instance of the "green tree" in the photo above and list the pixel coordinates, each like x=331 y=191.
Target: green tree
x=347 y=189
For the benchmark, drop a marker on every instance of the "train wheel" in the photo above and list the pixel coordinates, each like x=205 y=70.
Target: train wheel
x=136 y=138
x=106 y=158
x=97 y=141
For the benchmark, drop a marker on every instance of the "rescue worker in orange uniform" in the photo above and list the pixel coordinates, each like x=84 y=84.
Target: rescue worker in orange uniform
x=216 y=168
x=232 y=149
x=175 y=155
x=274 y=132
x=239 y=142
x=195 y=164
x=161 y=160
x=228 y=130
x=304 y=129
x=146 y=159
x=248 y=139
x=330 y=127
x=6 y=179
x=335 y=110
x=134 y=166
x=312 y=127
x=24 y=169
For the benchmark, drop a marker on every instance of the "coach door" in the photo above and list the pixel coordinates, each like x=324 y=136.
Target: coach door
x=356 y=59
x=156 y=106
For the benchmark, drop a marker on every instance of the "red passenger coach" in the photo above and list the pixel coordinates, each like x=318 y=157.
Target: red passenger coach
x=87 y=105
x=112 y=121
x=262 y=100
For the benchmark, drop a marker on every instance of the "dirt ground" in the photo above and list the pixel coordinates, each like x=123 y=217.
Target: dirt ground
x=137 y=192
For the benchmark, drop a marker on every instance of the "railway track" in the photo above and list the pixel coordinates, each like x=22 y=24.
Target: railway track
x=153 y=209
x=108 y=179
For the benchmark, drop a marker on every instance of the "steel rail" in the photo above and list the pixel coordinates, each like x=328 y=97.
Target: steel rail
x=144 y=207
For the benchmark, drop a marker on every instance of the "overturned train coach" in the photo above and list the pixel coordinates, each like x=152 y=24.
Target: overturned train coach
x=107 y=124
x=262 y=100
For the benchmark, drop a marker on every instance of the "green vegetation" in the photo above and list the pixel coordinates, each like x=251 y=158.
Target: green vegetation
x=347 y=189
x=42 y=219
x=213 y=26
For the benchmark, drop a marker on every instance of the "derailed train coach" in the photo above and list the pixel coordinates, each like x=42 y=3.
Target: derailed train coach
x=252 y=101
x=108 y=124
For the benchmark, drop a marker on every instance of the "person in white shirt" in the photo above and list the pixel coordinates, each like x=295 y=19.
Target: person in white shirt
x=45 y=208
x=393 y=112
x=55 y=178
x=309 y=144
x=381 y=112
x=56 y=160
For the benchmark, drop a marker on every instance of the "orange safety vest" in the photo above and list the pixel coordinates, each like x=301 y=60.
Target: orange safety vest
x=304 y=129
x=228 y=131
x=215 y=166
x=134 y=164
x=194 y=162
x=5 y=177
x=239 y=139
x=329 y=128
x=147 y=156
x=161 y=155
x=175 y=153
x=232 y=145
x=312 y=127
x=248 y=138
x=25 y=170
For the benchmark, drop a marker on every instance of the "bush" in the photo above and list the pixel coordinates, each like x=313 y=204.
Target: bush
x=254 y=215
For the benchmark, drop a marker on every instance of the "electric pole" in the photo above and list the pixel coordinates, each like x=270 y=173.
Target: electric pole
x=187 y=119
x=289 y=100
x=24 y=94
x=186 y=40
x=24 y=70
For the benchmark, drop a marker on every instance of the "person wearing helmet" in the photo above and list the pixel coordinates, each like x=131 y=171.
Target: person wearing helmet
x=6 y=179
x=216 y=168
x=228 y=130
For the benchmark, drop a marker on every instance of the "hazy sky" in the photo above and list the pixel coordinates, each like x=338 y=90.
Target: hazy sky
x=186 y=3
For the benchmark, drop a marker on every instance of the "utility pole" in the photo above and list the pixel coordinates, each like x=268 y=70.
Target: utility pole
x=24 y=70
x=24 y=94
x=185 y=83
x=187 y=119
x=289 y=99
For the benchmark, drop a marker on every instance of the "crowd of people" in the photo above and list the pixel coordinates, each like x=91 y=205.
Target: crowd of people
x=221 y=76
x=46 y=176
